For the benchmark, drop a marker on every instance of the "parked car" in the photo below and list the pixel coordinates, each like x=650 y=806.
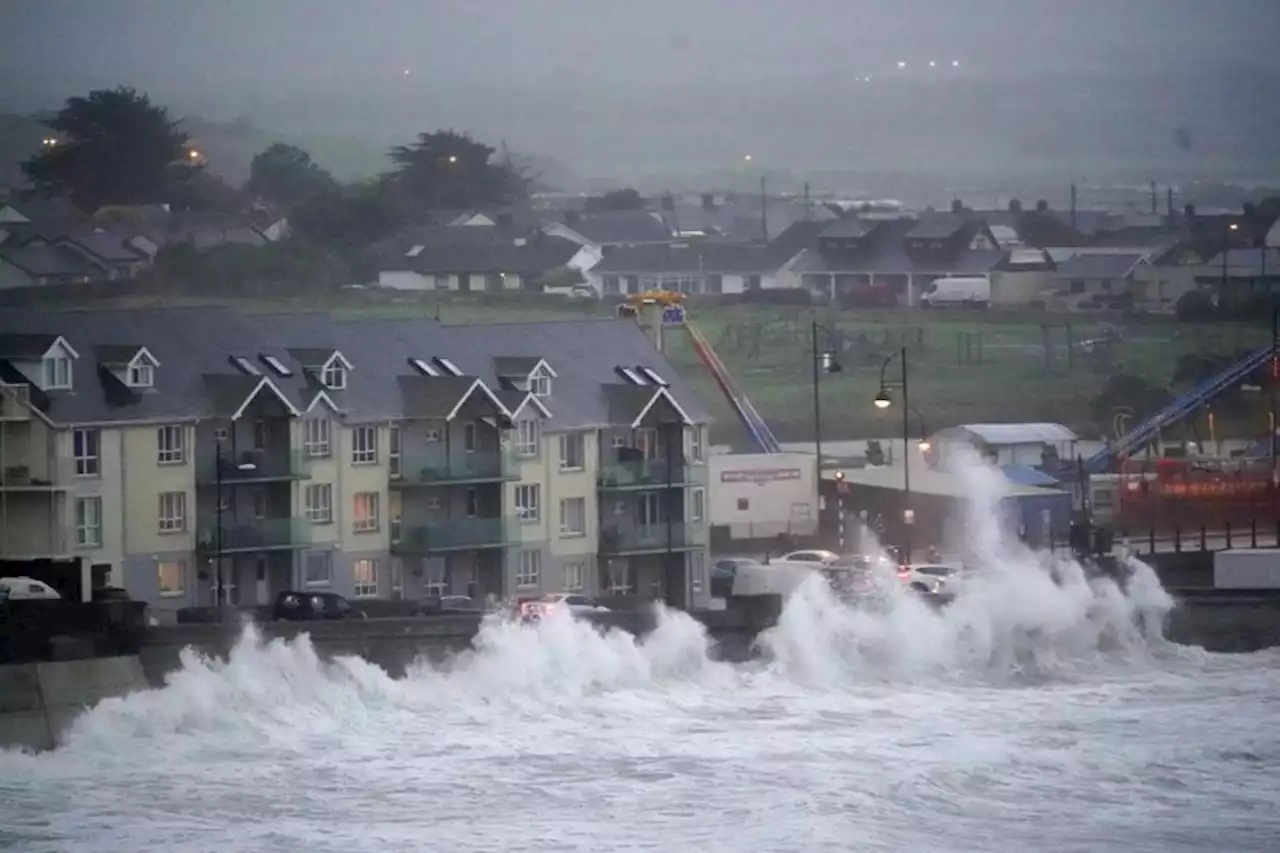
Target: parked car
x=930 y=578
x=825 y=558
x=314 y=606
x=576 y=605
x=723 y=573
x=26 y=589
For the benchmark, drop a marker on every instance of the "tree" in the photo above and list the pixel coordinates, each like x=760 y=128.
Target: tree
x=447 y=169
x=113 y=147
x=286 y=175
x=347 y=218
x=623 y=199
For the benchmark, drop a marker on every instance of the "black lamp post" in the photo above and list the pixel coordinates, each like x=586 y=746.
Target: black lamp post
x=824 y=361
x=883 y=400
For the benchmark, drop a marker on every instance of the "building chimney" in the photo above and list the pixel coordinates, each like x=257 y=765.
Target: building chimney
x=649 y=316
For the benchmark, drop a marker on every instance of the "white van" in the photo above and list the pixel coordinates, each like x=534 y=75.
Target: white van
x=24 y=588
x=957 y=292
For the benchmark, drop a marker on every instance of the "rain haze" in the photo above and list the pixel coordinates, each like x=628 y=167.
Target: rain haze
x=630 y=92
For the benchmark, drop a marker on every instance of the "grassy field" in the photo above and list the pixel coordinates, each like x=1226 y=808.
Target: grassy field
x=965 y=367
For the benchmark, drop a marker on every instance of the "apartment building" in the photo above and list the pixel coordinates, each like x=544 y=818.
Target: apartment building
x=192 y=453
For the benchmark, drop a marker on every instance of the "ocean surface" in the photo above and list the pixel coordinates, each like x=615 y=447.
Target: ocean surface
x=1027 y=716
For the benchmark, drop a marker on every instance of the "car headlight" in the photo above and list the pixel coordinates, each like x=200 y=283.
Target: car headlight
x=937 y=587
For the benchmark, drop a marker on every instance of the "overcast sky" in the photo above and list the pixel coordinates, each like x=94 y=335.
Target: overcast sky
x=526 y=69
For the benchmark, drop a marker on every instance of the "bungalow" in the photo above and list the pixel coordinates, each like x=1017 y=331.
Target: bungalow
x=468 y=259
x=710 y=268
x=46 y=264
x=609 y=230
x=1097 y=278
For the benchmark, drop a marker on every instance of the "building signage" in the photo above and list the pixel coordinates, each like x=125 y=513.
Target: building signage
x=760 y=476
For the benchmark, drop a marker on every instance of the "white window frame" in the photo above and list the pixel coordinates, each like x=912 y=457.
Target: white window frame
x=397 y=579
x=697 y=571
x=364 y=445
x=528 y=569
x=88 y=464
x=318 y=438
x=141 y=376
x=57 y=373
x=540 y=383
x=334 y=376
x=575 y=576
x=567 y=522
x=697 y=505
x=368 y=568
x=89 y=522
x=696 y=449
x=528 y=502
x=567 y=442
x=318 y=503
x=326 y=558
x=436 y=578
x=394 y=452
x=171 y=444
x=528 y=437
x=470 y=437
x=371 y=519
x=172 y=513
x=181 y=571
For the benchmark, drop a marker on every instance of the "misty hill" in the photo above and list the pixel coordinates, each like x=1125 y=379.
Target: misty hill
x=229 y=147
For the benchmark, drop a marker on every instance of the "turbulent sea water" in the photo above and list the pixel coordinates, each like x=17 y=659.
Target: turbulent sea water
x=1027 y=716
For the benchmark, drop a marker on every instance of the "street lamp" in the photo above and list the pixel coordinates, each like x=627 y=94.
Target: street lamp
x=825 y=360
x=217 y=532
x=1228 y=228
x=884 y=401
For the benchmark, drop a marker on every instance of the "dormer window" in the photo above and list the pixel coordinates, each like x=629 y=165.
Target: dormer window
x=540 y=383
x=57 y=372
x=141 y=375
x=334 y=376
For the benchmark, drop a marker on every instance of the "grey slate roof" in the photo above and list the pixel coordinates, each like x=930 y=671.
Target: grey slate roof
x=620 y=227
x=732 y=258
x=1116 y=266
x=192 y=344
x=115 y=354
x=536 y=255
x=51 y=260
x=515 y=365
x=937 y=226
x=850 y=228
x=432 y=397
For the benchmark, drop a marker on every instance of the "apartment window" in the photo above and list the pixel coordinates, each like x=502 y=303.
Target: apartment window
x=436 y=581
x=527 y=504
x=364 y=574
x=334 y=376
x=645 y=440
x=469 y=437
x=431 y=435
x=365 y=519
x=649 y=508
x=259 y=435
x=57 y=373
x=89 y=522
x=697 y=570
x=171 y=577
x=397 y=579
x=364 y=445
x=573 y=516
x=316 y=440
x=695 y=444
x=575 y=577
x=572 y=451
x=527 y=434
x=317 y=570
x=393 y=452
x=87 y=445
x=473 y=503
x=529 y=568
x=540 y=383
x=697 y=505
x=259 y=503
x=142 y=376
x=170 y=445
x=173 y=512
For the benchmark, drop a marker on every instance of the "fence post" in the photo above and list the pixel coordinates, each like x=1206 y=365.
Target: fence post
x=1203 y=545
x=1253 y=532
x=1228 y=531
x=1151 y=538
x=1177 y=538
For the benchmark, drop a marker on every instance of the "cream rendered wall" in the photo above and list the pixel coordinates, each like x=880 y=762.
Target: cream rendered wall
x=144 y=479
x=576 y=483
x=352 y=479
x=109 y=486
x=533 y=469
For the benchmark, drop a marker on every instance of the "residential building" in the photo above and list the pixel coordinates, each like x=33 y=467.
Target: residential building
x=196 y=453
x=606 y=231
x=702 y=268
x=1239 y=274
x=488 y=258
x=1096 y=279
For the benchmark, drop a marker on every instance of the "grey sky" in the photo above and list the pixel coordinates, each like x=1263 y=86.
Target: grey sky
x=571 y=77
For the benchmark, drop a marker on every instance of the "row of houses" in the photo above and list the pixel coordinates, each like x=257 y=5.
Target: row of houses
x=47 y=241
x=374 y=458
x=885 y=258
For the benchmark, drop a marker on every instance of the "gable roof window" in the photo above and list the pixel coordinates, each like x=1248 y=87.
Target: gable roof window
x=540 y=382
x=57 y=371
x=334 y=375
x=141 y=375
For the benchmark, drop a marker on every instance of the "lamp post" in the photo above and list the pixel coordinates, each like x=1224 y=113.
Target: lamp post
x=1227 y=229
x=824 y=361
x=883 y=400
x=217 y=531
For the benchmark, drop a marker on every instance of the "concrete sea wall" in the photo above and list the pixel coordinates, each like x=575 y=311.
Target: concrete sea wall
x=39 y=701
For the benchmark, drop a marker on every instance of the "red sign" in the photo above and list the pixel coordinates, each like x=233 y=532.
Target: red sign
x=760 y=476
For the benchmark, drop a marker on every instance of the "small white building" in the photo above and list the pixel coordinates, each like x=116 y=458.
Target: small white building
x=693 y=268
x=762 y=495
x=1008 y=444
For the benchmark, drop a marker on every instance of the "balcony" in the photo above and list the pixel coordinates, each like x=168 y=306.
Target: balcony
x=52 y=476
x=261 y=534
x=644 y=474
x=658 y=538
x=254 y=466
x=463 y=534
x=459 y=469
x=33 y=542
